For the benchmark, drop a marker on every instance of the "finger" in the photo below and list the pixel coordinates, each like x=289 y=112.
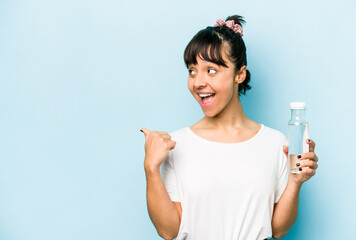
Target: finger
x=311 y=145
x=145 y=131
x=166 y=136
x=308 y=171
x=171 y=145
x=308 y=155
x=307 y=163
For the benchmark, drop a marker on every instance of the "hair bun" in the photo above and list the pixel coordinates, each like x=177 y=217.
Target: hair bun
x=237 y=19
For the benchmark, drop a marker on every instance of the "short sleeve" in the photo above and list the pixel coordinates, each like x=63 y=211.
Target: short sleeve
x=169 y=177
x=282 y=172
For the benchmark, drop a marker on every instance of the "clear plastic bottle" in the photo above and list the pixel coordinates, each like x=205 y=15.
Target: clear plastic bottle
x=298 y=133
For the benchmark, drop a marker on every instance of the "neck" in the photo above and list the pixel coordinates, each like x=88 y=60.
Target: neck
x=298 y=115
x=231 y=117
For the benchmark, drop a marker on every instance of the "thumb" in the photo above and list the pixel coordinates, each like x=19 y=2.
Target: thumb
x=285 y=150
x=145 y=131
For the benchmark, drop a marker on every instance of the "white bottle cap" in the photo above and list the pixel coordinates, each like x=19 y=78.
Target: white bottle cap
x=298 y=105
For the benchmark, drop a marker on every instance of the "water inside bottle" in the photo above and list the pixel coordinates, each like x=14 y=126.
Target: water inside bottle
x=292 y=161
x=298 y=134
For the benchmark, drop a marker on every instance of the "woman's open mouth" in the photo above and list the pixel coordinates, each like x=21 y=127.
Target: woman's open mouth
x=206 y=99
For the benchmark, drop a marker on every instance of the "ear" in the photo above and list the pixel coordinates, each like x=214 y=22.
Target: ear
x=241 y=75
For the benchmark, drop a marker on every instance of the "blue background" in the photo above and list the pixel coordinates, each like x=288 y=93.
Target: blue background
x=78 y=79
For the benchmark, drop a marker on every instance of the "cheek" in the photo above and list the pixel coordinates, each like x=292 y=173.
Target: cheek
x=226 y=88
x=190 y=86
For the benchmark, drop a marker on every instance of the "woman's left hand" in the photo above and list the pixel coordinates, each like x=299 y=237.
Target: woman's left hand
x=307 y=164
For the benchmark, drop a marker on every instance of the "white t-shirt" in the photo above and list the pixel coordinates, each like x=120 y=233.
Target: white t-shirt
x=227 y=190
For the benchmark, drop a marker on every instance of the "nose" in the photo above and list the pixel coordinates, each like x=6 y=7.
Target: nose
x=199 y=81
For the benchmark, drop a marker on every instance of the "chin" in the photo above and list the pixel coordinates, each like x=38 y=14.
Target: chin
x=209 y=113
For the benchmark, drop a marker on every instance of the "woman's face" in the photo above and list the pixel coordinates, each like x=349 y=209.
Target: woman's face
x=213 y=86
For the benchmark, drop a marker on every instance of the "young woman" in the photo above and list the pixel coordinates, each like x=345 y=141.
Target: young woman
x=225 y=177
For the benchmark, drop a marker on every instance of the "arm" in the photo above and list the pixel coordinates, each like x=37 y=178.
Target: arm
x=162 y=210
x=286 y=210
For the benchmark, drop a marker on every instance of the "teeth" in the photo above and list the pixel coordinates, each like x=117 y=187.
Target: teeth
x=205 y=95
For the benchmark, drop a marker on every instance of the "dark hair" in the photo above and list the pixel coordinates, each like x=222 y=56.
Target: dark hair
x=207 y=43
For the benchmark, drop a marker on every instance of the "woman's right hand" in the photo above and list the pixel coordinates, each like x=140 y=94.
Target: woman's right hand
x=157 y=146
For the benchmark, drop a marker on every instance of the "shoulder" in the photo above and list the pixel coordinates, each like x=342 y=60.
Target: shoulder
x=178 y=133
x=274 y=135
x=183 y=142
x=183 y=138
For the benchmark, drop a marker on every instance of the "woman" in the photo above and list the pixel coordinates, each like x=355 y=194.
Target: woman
x=225 y=177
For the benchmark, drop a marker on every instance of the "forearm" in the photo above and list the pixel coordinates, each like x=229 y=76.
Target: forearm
x=162 y=210
x=286 y=210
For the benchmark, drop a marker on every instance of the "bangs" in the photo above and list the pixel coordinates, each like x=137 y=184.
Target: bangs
x=207 y=45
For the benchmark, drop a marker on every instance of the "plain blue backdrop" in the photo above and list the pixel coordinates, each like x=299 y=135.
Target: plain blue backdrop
x=78 y=79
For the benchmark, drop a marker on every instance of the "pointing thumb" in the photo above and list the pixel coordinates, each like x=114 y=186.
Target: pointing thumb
x=145 y=131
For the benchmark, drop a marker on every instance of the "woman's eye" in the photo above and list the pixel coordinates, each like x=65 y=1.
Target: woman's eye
x=210 y=70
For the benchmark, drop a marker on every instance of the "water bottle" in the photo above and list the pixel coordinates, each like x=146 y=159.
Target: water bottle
x=298 y=133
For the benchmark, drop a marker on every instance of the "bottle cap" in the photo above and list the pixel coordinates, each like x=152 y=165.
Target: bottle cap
x=298 y=105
